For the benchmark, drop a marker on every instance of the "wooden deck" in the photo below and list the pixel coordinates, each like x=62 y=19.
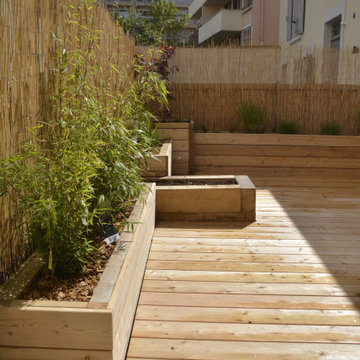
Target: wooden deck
x=286 y=287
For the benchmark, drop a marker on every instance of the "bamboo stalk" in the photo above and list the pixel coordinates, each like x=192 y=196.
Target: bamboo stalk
x=27 y=59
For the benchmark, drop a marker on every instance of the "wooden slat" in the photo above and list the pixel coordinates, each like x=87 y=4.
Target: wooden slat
x=284 y=250
x=275 y=139
x=175 y=134
x=66 y=328
x=260 y=258
x=252 y=277
x=312 y=151
x=256 y=300
x=246 y=332
x=216 y=266
x=271 y=233
x=236 y=350
x=180 y=168
x=181 y=146
x=178 y=295
x=275 y=171
x=177 y=292
x=277 y=161
x=173 y=125
x=258 y=242
x=181 y=156
x=30 y=353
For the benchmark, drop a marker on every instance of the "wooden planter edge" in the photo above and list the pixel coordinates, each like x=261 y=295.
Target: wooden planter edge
x=74 y=330
x=160 y=164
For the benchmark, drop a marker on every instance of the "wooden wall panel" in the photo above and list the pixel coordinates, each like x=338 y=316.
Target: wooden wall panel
x=181 y=134
x=276 y=154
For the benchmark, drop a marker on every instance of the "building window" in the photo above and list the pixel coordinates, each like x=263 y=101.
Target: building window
x=335 y=32
x=245 y=36
x=295 y=18
x=245 y=4
x=228 y=5
x=237 y=4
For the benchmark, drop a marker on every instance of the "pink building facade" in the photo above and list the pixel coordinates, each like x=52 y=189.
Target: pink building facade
x=265 y=22
x=251 y=22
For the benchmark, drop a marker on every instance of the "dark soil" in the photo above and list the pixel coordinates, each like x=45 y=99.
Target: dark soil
x=156 y=150
x=80 y=288
x=181 y=182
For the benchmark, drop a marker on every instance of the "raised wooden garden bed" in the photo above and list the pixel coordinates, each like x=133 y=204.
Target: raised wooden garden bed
x=96 y=330
x=205 y=198
x=277 y=154
x=159 y=164
x=181 y=135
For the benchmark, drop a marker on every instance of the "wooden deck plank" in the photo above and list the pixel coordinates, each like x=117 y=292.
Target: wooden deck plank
x=251 y=266
x=246 y=332
x=262 y=299
x=263 y=258
x=208 y=297
x=251 y=277
x=232 y=350
x=254 y=242
x=249 y=316
x=286 y=287
x=271 y=233
x=285 y=250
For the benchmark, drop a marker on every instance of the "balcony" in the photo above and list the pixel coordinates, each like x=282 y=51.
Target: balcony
x=224 y=23
x=195 y=8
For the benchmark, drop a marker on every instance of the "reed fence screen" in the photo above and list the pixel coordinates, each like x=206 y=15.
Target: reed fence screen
x=28 y=45
x=305 y=85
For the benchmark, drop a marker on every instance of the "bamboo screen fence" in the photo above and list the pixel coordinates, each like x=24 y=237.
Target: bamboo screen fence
x=308 y=86
x=27 y=60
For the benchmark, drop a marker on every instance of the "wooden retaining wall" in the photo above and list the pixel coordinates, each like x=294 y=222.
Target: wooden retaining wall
x=181 y=135
x=98 y=330
x=253 y=154
x=159 y=164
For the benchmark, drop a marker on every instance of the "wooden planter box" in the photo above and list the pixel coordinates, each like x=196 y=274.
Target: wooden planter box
x=277 y=155
x=96 y=330
x=227 y=202
x=159 y=165
x=181 y=135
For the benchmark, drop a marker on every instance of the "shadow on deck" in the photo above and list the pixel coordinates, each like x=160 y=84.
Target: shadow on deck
x=285 y=287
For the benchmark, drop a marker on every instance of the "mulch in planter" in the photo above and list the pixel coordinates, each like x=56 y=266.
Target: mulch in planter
x=80 y=288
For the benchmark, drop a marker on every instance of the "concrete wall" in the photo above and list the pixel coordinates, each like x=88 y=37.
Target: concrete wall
x=317 y=13
x=352 y=27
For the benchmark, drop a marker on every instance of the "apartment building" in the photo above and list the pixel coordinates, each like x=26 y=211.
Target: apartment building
x=251 y=22
x=321 y=40
x=320 y=23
